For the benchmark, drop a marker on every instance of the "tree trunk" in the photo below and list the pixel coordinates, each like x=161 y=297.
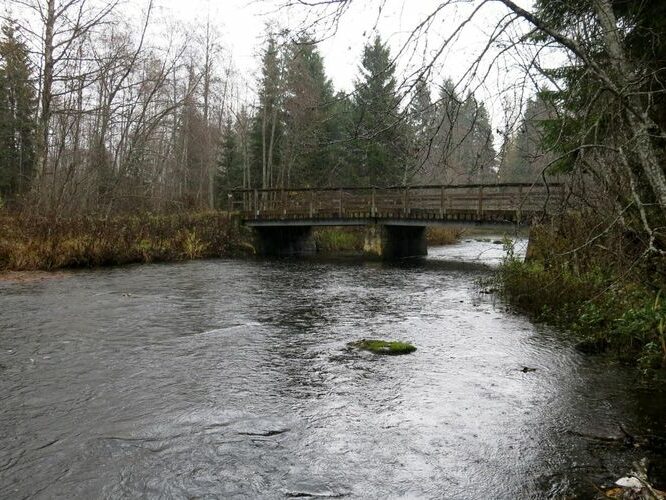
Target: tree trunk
x=635 y=114
x=45 y=98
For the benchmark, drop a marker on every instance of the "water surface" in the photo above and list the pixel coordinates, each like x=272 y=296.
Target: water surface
x=232 y=379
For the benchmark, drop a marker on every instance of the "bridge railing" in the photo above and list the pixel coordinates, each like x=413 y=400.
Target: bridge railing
x=511 y=201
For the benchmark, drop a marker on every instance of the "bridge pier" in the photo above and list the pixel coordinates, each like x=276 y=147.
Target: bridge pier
x=284 y=241
x=395 y=241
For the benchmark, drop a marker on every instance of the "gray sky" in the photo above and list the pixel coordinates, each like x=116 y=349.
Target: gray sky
x=242 y=26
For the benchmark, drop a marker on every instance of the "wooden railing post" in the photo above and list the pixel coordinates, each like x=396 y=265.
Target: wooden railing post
x=479 y=210
x=442 y=201
x=256 y=203
x=340 y=210
x=519 y=204
x=405 y=201
x=312 y=193
x=283 y=198
x=373 y=206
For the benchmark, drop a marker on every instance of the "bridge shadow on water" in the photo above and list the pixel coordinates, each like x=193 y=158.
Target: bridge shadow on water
x=407 y=263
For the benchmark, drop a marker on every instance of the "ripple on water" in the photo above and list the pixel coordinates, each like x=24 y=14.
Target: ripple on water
x=233 y=379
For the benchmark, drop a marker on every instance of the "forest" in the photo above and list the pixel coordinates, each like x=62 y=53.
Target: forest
x=105 y=115
x=98 y=119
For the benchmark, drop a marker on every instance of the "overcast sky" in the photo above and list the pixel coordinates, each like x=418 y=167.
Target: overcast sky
x=242 y=24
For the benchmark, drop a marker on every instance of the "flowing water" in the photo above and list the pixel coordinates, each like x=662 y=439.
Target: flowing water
x=233 y=379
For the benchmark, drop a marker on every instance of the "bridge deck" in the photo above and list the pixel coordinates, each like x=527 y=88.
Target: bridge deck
x=413 y=205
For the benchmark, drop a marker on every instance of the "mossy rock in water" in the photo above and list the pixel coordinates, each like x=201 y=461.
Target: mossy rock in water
x=392 y=348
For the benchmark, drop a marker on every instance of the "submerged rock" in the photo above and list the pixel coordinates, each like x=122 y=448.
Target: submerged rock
x=392 y=348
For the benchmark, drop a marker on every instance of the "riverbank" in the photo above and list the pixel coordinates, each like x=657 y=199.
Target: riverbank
x=29 y=243
x=608 y=311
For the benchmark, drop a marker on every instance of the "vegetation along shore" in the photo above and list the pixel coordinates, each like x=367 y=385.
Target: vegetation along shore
x=606 y=294
x=40 y=243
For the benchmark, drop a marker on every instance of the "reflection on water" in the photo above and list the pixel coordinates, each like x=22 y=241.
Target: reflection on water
x=233 y=379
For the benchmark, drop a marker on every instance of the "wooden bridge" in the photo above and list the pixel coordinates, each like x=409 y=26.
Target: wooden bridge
x=480 y=203
x=272 y=211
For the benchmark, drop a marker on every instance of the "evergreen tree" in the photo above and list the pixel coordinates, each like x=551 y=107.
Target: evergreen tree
x=525 y=159
x=380 y=135
x=479 y=150
x=229 y=164
x=342 y=129
x=614 y=134
x=422 y=128
x=462 y=150
x=268 y=127
x=17 y=115
x=309 y=130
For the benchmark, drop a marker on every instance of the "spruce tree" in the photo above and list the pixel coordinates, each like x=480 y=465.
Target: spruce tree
x=268 y=126
x=308 y=108
x=381 y=140
x=525 y=158
x=17 y=115
x=422 y=127
x=463 y=145
x=229 y=162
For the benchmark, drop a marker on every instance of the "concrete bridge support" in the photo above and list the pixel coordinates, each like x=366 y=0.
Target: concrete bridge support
x=284 y=241
x=395 y=241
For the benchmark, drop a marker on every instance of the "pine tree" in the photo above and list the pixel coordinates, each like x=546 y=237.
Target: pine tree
x=17 y=115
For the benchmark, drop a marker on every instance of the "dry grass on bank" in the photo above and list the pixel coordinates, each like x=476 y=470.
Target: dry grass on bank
x=39 y=243
x=339 y=239
x=437 y=236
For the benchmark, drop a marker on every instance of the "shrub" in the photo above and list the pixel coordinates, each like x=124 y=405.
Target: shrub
x=606 y=310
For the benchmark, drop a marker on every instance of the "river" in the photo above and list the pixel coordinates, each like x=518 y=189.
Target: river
x=233 y=379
